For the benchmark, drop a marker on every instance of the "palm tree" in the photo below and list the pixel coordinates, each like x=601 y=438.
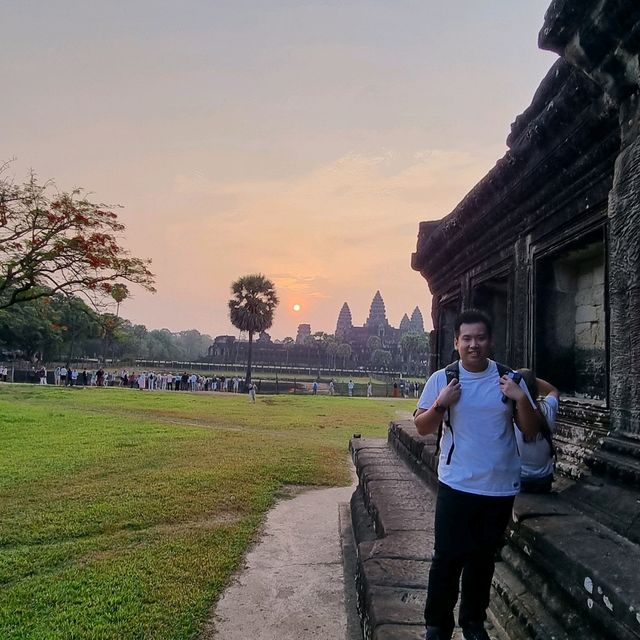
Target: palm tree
x=252 y=307
x=119 y=293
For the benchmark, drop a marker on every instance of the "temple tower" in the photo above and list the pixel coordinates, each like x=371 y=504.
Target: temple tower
x=345 y=323
x=405 y=325
x=417 y=322
x=377 y=313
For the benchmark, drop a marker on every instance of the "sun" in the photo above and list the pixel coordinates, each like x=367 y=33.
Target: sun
x=296 y=307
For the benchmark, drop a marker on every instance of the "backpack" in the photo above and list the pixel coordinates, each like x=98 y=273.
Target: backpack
x=452 y=371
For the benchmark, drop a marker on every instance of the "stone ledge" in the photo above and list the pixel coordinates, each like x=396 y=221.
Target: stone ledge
x=593 y=566
x=392 y=567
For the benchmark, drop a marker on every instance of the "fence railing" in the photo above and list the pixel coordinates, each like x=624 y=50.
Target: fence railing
x=279 y=385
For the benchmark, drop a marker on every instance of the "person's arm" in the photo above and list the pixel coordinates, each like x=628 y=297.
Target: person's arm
x=546 y=388
x=528 y=417
x=428 y=420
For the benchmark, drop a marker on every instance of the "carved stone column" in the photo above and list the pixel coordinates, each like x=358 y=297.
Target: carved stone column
x=624 y=276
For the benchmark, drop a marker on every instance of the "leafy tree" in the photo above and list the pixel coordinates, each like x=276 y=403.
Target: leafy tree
x=109 y=324
x=60 y=243
x=414 y=345
x=332 y=345
x=193 y=344
x=319 y=342
x=252 y=308
x=78 y=322
x=344 y=351
x=381 y=358
x=161 y=344
x=52 y=327
x=373 y=343
x=288 y=343
x=31 y=329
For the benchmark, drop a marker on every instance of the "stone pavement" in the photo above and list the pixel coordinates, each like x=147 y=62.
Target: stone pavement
x=292 y=586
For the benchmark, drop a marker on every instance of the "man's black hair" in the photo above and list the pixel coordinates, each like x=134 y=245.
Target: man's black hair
x=473 y=316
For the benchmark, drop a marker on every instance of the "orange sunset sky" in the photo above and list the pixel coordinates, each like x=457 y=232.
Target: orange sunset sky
x=302 y=139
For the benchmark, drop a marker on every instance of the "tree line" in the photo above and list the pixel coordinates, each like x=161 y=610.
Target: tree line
x=64 y=328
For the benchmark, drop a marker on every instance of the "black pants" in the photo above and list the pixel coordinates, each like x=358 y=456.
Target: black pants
x=468 y=532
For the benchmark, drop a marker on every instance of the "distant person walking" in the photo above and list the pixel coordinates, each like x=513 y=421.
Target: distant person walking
x=252 y=392
x=314 y=388
x=332 y=388
x=350 y=387
x=369 y=389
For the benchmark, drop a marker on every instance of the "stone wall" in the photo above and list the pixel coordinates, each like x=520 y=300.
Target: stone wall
x=571 y=338
x=557 y=223
x=590 y=337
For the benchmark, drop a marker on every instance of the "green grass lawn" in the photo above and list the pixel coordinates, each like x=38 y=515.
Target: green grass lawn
x=123 y=513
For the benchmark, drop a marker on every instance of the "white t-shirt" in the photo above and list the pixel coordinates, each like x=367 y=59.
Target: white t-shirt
x=485 y=458
x=536 y=458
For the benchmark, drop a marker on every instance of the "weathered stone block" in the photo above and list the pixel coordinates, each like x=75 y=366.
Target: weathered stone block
x=393 y=605
x=385 y=572
x=586 y=313
x=598 y=276
x=409 y=545
x=584 y=336
x=585 y=280
x=584 y=296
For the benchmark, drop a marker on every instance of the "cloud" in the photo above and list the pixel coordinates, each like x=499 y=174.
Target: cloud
x=338 y=232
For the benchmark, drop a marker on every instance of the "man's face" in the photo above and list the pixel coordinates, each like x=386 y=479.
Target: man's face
x=474 y=345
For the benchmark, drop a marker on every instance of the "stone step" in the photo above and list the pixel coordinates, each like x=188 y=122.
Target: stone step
x=616 y=463
x=627 y=445
x=557 y=549
x=392 y=515
x=594 y=568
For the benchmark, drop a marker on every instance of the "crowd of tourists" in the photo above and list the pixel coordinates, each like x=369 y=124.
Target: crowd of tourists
x=167 y=381
x=148 y=380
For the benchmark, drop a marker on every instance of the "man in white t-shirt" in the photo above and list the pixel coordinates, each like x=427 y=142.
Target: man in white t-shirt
x=478 y=473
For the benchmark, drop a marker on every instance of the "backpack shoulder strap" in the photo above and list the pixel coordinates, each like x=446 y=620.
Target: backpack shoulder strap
x=451 y=372
x=503 y=369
